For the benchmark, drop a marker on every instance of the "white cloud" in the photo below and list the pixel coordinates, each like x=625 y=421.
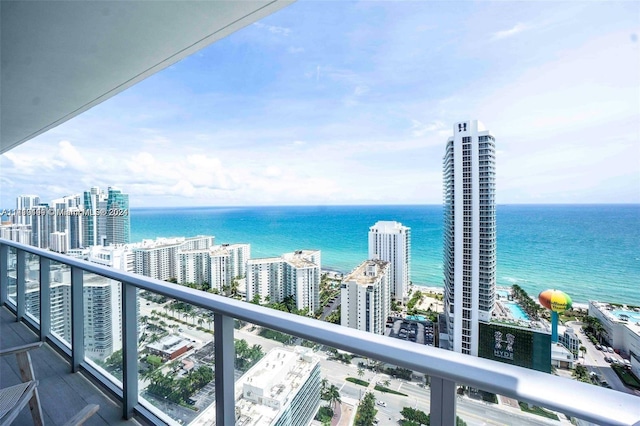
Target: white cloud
x=274 y=29
x=295 y=50
x=419 y=129
x=516 y=29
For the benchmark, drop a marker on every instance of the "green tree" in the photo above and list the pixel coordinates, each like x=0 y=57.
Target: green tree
x=333 y=394
x=360 y=372
x=366 y=413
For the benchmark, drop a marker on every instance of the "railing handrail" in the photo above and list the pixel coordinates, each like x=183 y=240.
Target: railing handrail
x=584 y=401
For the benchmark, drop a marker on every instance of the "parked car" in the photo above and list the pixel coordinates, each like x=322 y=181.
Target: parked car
x=381 y=403
x=598 y=347
x=610 y=349
x=606 y=358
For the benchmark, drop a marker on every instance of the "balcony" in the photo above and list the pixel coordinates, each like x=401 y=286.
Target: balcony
x=446 y=369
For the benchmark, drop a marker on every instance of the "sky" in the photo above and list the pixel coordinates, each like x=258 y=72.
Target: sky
x=327 y=103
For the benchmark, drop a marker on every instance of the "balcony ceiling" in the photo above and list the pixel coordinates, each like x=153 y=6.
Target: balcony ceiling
x=60 y=58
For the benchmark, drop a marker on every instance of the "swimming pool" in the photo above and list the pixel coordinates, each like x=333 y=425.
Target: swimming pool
x=516 y=311
x=631 y=315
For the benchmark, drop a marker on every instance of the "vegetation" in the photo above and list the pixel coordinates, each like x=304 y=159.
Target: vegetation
x=366 y=413
x=324 y=415
x=387 y=390
x=532 y=309
x=247 y=357
x=581 y=373
x=275 y=335
x=537 y=410
x=413 y=417
x=334 y=317
x=594 y=329
x=417 y=298
x=179 y=390
x=341 y=356
x=357 y=381
x=627 y=376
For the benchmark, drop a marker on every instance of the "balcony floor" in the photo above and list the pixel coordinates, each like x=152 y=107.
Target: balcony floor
x=62 y=394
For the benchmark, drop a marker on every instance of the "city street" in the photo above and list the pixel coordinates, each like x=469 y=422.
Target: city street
x=472 y=411
x=594 y=361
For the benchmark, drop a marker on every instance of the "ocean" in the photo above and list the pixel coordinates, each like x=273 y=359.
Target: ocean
x=591 y=252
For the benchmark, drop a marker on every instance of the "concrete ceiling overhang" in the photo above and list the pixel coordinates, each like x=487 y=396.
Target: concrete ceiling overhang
x=60 y=58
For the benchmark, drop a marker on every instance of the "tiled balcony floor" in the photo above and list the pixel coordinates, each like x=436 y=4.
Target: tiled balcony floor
x=62 y=394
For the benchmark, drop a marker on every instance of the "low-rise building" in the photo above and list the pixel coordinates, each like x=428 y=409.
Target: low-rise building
x=170 y=347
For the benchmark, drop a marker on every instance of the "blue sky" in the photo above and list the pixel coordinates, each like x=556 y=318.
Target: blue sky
x=351 y=103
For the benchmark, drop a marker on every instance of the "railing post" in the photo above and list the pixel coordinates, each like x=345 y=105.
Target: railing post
x=224 y=352
x=4 y=271
x=129 y=349
x=45 y=298
x=443 y=402
x=77 y=318
x=21 y=287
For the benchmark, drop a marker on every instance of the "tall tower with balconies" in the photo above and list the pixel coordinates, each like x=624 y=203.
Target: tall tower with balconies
x=469 y=263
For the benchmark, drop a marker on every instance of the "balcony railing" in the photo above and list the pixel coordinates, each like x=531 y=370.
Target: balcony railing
x=446 y=369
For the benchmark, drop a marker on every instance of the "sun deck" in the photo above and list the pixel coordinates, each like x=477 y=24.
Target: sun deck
x=62 y=394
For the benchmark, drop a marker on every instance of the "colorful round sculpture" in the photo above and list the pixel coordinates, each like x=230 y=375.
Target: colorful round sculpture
x=556 y=300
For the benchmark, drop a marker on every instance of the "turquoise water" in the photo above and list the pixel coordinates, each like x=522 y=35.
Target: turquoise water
x=633 y=316
x=417 y=317
x=516 y=311
x=503 y=293
x=592 y=252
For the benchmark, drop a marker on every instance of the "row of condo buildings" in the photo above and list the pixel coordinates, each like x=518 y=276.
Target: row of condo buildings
x=96 y=217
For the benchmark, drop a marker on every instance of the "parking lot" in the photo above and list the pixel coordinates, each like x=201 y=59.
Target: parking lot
x=421 y=332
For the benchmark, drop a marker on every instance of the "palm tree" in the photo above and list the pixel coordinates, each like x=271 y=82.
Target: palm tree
x=360 y=372
x=334 y=396
x=386 y=383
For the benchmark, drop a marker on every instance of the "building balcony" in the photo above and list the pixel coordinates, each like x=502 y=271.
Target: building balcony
x=129 y=388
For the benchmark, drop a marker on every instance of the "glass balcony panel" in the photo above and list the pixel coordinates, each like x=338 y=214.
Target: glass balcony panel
x=102 y=299
x=32 y=281
x=60 y=296
x=176 y=358
x=11 y=278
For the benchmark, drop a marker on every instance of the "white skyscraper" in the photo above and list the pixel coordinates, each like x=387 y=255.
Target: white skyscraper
x=294 y=274
x=391 y=241
x=469 y=234
x=25 y=202
x=365 y=297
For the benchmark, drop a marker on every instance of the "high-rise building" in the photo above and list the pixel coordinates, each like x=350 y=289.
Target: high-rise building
x=391 y=241
x=25 y=202
x=365 y=297
x=294 y=274
x=226 y=263
x=282 y=389
x=159 y=259
x=40 y=227
x=118 y=219
x=94 y=224
x=469 y=261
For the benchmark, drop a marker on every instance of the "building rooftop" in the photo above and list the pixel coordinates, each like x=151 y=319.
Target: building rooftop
x=367 y=272
x=274 y=380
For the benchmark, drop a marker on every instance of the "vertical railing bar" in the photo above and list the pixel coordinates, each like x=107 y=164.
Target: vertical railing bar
x=77 y=318
x=224 y=352
x=129 y=350
x=45 y=298
x=4 y=273
x=21 y=287
x=443 y=402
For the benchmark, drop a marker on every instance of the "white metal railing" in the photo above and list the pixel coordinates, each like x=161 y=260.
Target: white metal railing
x=446 y=368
